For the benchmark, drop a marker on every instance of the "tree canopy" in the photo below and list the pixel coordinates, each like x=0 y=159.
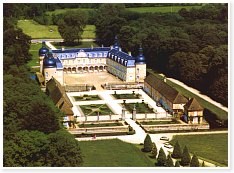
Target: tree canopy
x=71 y=26
x=32 y=132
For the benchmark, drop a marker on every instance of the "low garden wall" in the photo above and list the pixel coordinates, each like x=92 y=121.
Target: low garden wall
x=174 y=127
x=95 y=130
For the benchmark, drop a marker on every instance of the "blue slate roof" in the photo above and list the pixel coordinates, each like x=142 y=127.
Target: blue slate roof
x=98 y=52
x=140 y=59
x=58 y=64
x=121 y=57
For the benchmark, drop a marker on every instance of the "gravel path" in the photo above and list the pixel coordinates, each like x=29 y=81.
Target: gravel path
x=194 y=91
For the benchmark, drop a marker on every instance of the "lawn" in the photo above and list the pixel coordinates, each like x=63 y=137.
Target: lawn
x=34 y=48
x=140 y=107
x=166 y=9
x=87 y=97
x=92 y=110
x=99 y=125
x=35 y=30
x=158 y=122
x=221 y=114
x=113 y=153
x=126 y=96
x=213 y=147
x=84 y=44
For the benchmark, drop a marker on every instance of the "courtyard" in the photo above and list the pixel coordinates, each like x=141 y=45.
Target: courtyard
x=94 y=78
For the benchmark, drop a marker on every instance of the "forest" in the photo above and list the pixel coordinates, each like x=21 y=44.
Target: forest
x=33 y=135
x=191 y=46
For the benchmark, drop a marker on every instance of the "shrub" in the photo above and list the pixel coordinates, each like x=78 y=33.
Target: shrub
x=154 y=150
x=147 y=144
x=169 y=161
x=161 y=160
x=185 y=159
x=177 y=153
x=194 y=162
x=177 y=164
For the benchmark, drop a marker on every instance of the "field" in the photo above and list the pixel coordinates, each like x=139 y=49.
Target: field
x=35 y=30
x=166 y=9
x=113 y=153
x=221 y=114
x=34 y=48
x=213 y=147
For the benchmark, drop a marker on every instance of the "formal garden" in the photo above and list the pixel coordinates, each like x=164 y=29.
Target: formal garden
x=158 y=122
x=103 y=124
x=86 y=97
x=140 y=107
x=132 y=95
x=96 y=109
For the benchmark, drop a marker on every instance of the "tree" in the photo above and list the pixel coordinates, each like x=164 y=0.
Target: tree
x=203 y=164
x=147 y=144
x=161 y=160
x=72 y=26
x=177 y=164
x=169 y=161
x=185 y=159
x=177 y=153
x=25 y=149
x=109 y=22
x=154 y=151
x=64 y=150
x=194 y=162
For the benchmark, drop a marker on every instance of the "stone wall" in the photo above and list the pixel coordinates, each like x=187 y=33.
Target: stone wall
x=110 y=129
x=175 y=127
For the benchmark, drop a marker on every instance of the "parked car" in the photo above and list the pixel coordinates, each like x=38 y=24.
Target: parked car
x=164 y=138
x=168 y=146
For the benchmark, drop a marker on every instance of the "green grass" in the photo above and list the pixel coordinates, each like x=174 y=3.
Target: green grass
x=166 y=9
x=113 y=153
x=140 y=107
x=210 y=146
x=84 y=44
x=99 y=125
x=34 y=48
x=221 y=114
x=158 y=122
x=125 y=96
x=91 y=110
x=35 y=30
x=86 y=98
